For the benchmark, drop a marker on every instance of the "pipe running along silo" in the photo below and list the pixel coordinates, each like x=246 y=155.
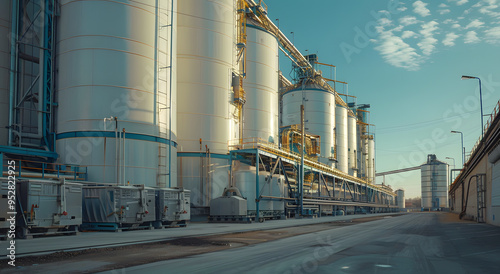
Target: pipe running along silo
x=352 y=144
x=434 y=177
x=207 y=119
x=370 y=165
x=261 y=109
x=115 y=60
x=5 y=45
x=319 y=115
x=341 y=137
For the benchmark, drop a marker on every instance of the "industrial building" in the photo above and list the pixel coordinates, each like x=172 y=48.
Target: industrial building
x=179 y=97
x=475 y=192
x=434 y=177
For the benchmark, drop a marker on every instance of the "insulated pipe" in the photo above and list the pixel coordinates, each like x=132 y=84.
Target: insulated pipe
x=170 y=97
x=13 y=64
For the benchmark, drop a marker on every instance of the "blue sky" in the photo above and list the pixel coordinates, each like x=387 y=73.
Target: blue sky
x=405 y=59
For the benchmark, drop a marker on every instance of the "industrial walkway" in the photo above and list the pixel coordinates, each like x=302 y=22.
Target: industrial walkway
x=86 y=240
x=413 y=243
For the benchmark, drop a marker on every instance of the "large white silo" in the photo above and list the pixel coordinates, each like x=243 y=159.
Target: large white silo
x=400 y=196
x=434 y=178
x=352 y=145
x=261 y=109
x=5 y=20
x=207 y=118
x=319 y=112
x=341 y=136
x=115 y=60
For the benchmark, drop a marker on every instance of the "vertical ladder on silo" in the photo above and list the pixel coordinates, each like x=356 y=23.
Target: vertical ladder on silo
x=163 y=69
x=481 y=205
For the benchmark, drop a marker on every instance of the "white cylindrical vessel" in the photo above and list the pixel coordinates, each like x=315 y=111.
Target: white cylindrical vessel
x=207 y=118
x=5 y=22
x=352 y=145
x=341 y=138
x=261 y=109
x=114 y=60
x=205 y=51
x=400 y=198
x=370 y=165
x=434 y=176
x=319 y=112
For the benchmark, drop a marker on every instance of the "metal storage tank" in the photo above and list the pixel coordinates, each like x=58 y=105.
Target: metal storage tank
x=207 y=119
x=370 y=165
x=341 y=133
x=319 y=112
x=5 y=20
x=352 y=145
x=261 y=111
x=434 y=176
x=400 y=198
x=114 y=60
x=245 y=182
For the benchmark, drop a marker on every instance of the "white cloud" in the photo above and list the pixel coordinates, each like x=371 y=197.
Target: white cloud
x=459 y=2
x=420 y=8
x=398 y=53
x=474 y=24
x=471 y=37
x=449 y=39
x=384 y=22
x=408 y=34
x=444 y=11
x=401 y=9
x=428 y=42
x=455 y=26
x=492 y=35
x=449 y=21
x=443 y=5
x=408 y=20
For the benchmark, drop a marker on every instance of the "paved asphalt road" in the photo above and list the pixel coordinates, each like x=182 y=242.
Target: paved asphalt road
x=412 y=243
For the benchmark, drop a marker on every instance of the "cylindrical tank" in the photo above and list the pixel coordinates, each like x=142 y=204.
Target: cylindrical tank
x=319 y=112
x=261 y=109
x=434 y=176
x=206 y=47
x=5 y=12
x=370 y=165
x=207 y=117
x=341 y=133
x=245 y=182
x=114 y=60
x=400 y=198
x=352 y=145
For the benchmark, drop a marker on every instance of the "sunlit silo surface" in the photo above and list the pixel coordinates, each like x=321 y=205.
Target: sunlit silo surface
x=352 y=145
x=370 y=165
x=261 y=85
x=341 y=138
x=319 y=115
x=400 y=198
x=207 y=118
x=434 y=176
x=5 y=12
x=114 y=60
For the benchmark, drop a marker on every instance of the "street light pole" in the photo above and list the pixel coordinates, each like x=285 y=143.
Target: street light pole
x=465 y=77
x=451 y=158
x=463 y=148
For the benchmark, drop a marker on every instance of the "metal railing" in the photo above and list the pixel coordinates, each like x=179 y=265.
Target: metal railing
x=258 y=143
x=35 y=169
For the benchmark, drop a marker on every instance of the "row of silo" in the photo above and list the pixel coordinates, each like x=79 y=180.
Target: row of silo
x=115 y=82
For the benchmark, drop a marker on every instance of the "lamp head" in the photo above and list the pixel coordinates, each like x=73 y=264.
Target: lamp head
x=465 y=77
